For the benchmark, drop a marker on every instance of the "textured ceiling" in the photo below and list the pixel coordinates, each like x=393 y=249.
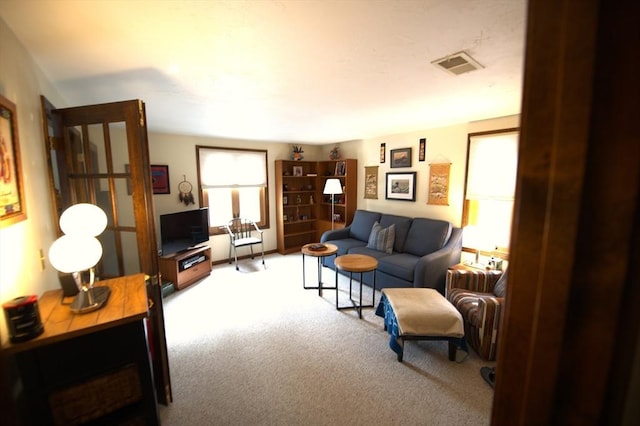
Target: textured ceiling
x=290 y=71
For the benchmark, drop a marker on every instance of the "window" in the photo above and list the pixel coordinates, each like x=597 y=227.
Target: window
x=233 y=184
x=492 y=161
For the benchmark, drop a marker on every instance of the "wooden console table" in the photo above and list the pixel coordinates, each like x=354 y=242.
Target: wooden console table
x=87 y=366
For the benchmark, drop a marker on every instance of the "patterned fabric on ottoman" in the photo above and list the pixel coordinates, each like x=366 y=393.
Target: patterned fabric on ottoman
x=420 y=314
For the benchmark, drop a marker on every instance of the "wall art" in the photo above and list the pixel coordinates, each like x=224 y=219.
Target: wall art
x=12 y=203
x=401 y=186
x=160 y=179
x=371 y=182
x=422 y=149
x=400 y=158
x=439 y=184
x=383 y=151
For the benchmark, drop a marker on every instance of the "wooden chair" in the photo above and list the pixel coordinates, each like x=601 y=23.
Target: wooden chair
x=244 y=232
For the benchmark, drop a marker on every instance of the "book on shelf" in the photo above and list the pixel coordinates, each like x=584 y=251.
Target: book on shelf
x=312 y=174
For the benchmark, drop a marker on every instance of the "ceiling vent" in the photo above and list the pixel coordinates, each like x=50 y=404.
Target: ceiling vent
x=458 y=63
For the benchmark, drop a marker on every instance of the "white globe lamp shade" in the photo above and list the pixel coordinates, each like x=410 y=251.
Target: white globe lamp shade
x=83 y=219
x=73 y=253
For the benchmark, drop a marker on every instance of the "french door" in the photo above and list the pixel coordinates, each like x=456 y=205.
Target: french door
x=99 y=154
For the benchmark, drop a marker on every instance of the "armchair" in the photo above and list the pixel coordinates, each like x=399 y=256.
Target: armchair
x=243 y=232
x=480 y=299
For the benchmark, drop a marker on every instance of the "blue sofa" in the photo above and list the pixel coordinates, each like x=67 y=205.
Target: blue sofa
x=423 y=249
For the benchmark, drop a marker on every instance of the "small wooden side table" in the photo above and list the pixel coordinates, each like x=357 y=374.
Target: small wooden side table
x=356 y=263
x=308 y=250
x=92 y=367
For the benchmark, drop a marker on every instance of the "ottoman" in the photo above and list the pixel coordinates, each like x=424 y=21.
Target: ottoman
x=421 y=314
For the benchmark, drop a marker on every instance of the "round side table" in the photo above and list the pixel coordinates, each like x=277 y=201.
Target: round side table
x=356 y=263
x=311 y=250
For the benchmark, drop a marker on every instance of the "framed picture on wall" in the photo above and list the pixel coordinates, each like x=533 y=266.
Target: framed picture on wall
x=401 y=157
x=12 y=206
x=160 y=179
x=422 y=150
x=401 y=186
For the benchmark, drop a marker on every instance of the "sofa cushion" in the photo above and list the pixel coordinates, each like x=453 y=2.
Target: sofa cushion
x=500 y=288
x=401 y=265
x=382 y=239
x=402 y=224
x=346 y=245
x=426 y=236
x=362 y=223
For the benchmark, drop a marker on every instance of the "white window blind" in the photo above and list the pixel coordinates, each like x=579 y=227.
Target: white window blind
x=493 y=163
x=226 y=168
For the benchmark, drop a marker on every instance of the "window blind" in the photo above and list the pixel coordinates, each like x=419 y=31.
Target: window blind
x=227 y=168
x=493 y=163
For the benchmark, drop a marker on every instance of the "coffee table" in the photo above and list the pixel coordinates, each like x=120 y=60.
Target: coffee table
x=313 y=249
x=356 y=263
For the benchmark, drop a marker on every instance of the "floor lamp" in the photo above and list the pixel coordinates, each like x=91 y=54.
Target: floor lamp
x=332 y=187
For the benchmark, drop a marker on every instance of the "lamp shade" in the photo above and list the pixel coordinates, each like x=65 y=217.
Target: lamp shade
x=73 y=253
x=332 y=186
x=83 y=219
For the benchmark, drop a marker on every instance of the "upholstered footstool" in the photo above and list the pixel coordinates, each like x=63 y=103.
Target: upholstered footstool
x=421 y=314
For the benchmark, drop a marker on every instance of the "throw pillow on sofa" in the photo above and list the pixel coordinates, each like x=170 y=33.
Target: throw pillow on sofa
x=381 y=239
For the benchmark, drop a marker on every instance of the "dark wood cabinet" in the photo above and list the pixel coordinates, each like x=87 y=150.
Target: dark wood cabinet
x=87 y=368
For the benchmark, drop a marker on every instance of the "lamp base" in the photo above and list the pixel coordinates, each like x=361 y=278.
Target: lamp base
x=81 y=305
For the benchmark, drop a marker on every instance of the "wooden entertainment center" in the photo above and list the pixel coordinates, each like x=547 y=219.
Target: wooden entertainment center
x=185 y=268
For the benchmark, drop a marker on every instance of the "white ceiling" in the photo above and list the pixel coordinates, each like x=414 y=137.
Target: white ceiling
x=280 y=70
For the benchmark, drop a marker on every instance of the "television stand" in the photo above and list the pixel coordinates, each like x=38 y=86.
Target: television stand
x=187 y=267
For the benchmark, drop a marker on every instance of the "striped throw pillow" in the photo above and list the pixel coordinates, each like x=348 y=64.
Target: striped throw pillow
x=381 y=239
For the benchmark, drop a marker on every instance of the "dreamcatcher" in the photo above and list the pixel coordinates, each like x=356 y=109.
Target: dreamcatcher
x=185 y=188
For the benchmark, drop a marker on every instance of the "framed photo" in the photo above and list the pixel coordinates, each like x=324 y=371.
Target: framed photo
x=422 y=149
x=401 y=186
x=12 y=205
x=383 y=150
x=401 y=157
x=297 y=170
x=340 y=169
x=160 y=179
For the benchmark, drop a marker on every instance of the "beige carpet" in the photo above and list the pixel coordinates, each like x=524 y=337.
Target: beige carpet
x=254 y=348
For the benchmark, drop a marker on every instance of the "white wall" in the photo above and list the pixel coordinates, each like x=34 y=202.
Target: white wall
x=21 y=271
x=444 y=145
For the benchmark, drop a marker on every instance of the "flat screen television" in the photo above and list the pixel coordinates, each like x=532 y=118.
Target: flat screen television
x=182 y=231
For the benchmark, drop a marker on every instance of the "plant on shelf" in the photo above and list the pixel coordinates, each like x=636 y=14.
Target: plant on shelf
x=334 y=154
x=297 y=153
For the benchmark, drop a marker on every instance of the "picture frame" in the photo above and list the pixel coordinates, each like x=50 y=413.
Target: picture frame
x=401 y=186
x=297 y=170
x=422 y=149
x=12 y=202
x=160 y=179
x=340 y=168
x=400 y=158
x=383 y=150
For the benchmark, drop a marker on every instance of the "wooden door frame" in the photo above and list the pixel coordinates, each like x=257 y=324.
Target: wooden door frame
x=133 y=113
x=569 y=336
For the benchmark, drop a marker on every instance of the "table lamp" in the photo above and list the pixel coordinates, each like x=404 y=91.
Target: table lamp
x=332 y=186
x=79 y=250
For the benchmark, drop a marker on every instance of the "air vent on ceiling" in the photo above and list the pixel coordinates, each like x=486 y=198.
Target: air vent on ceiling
x=458 y=63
